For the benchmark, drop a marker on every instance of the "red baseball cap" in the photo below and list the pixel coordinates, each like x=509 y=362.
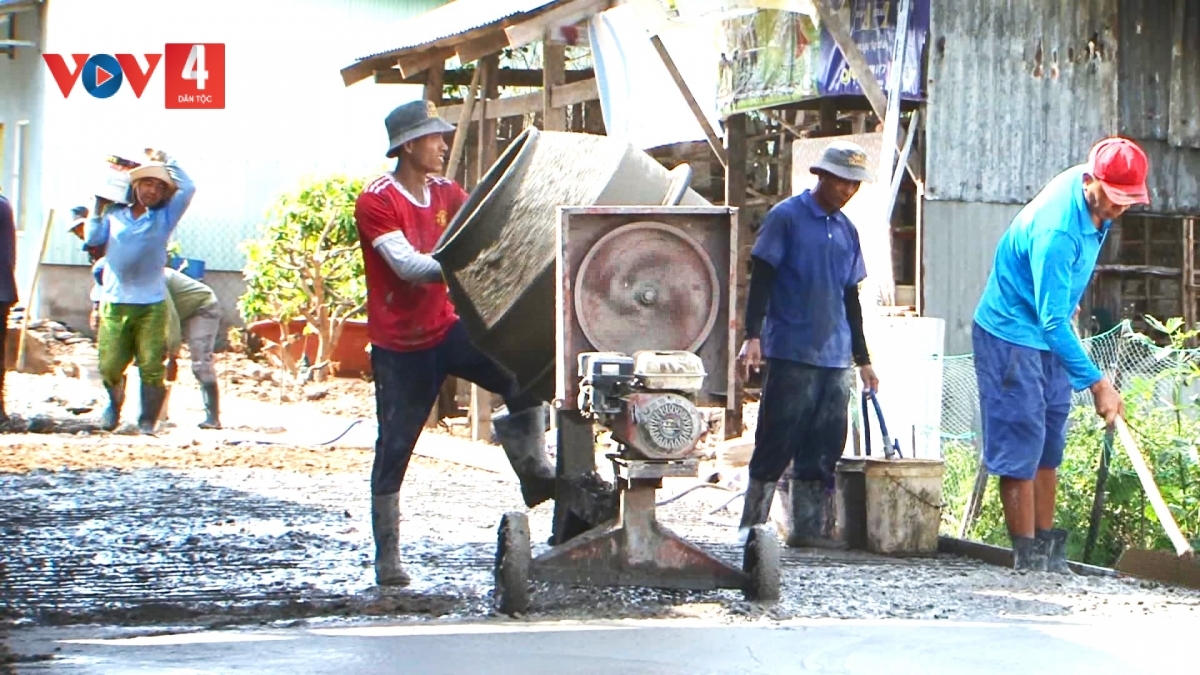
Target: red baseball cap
x=1121 y=166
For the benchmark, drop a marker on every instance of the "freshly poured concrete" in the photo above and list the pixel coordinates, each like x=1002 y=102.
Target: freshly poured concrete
x=889 y=647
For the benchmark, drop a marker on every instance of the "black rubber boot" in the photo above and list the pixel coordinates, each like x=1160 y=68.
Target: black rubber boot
x=385 y=525
x=1054 y=542
x=116 y=399
x=212 y=408
x=523 y=437
x=152 y=402
x=1029 y=554
x=808 y=501
x=756 y=508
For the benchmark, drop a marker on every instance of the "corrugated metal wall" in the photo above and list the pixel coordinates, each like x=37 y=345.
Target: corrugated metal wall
x=960 y=240
x=1018 y=91
x=1016 y=88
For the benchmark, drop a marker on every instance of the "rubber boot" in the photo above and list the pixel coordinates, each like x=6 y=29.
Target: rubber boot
x=152 y=401
x=116 y=399
x=1029 y=554
x=385 y=524
x=756 y=508
x=808 y=505
x=1054 y=542
x=523 y=437
x=212 y=408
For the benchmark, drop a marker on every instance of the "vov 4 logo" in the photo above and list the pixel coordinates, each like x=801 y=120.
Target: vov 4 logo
x=195 y=74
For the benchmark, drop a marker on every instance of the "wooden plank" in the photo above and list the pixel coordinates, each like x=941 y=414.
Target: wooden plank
x=566 y=95
x=461 y=77
x=363 y=69
x=534 y=29
x=1160 y=566
x=490 y=43
x=554 y=75
x=415 y=63
x=713 y=140
x=735 y=197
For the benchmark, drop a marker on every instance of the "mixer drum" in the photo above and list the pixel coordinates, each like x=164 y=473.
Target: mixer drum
x=498 y=253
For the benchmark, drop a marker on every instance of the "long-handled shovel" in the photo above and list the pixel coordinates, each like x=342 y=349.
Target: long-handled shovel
x=1180 y=568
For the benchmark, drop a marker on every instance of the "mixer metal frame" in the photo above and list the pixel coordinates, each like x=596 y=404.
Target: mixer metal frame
x=589 y=545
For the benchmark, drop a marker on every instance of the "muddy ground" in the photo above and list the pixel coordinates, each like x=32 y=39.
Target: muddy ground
x=257 y=523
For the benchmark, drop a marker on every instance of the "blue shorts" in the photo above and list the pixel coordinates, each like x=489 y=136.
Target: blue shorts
x=1024 y=400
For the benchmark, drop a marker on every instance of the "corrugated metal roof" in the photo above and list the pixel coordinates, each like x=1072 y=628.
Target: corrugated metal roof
x=455 y=18
x=1145 y=69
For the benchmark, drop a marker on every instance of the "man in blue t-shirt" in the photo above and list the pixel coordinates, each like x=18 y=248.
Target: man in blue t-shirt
x=804 y=316
x=1028 y=359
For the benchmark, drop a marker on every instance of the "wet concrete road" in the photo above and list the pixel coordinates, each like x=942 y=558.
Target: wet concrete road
x=660 y=647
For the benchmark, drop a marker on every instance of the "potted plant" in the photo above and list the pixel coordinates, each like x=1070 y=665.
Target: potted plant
x=305 y=283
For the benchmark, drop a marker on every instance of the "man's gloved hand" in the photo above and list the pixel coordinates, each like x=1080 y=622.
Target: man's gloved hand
x=157 y=155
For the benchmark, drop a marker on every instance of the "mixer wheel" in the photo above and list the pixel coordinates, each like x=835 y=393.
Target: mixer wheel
x=513 y=558
x=760 y=562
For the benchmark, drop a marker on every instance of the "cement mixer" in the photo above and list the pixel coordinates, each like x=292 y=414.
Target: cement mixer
x=599 y=278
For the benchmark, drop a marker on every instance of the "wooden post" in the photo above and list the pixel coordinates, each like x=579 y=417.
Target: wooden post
x=554 y=73
x=480 y=407
x=463 y=126
x=37 y=272
x=735 y=196
x=434 y=79
x=490 y=85
x=480 y=413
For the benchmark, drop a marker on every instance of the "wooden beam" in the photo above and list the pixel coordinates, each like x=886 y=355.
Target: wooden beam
x=735 y=196
x=363 y=69
x=461 y=77
x=564 y=96
x=521 y=34
x=713 y=140
x=415 y=63
x=434 y=83
x=554 y=75
x=490 y=43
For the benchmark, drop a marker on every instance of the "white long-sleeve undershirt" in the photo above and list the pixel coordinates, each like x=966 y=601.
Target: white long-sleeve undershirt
x=405 y=261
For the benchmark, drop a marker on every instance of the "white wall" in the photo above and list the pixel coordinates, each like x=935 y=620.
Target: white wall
x=287 y=115
x=21 y=101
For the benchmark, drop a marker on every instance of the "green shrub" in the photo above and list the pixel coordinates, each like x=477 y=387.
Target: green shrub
x=1166 y=430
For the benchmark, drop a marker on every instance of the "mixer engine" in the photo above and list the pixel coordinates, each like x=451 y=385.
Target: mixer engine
x=645 y=400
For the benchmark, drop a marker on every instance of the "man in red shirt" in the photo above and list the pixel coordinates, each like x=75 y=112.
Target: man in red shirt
x=416 y=337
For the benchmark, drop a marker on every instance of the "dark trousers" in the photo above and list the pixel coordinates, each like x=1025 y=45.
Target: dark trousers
x=406 y=389
x=802 y=419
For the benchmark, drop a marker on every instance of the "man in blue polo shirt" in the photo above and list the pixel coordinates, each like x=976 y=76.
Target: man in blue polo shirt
x=1028 y=359
x=803 y=314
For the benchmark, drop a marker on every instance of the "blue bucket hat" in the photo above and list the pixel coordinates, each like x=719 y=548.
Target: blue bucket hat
x=413 y=120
